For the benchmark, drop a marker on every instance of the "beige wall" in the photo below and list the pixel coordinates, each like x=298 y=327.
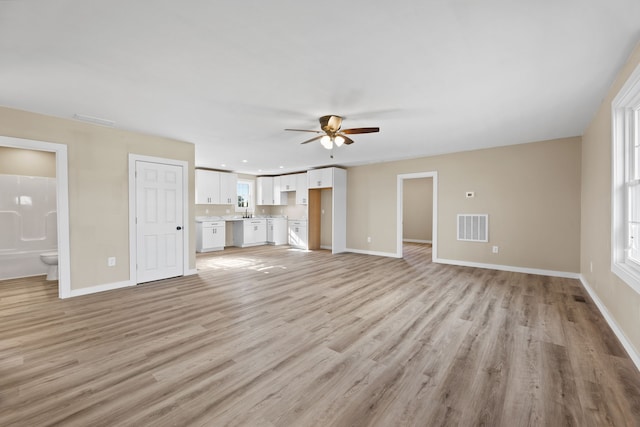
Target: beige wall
x=530 y=191
x=621 y=301
x=417 y=209
x=98 y=188
x=16 y=161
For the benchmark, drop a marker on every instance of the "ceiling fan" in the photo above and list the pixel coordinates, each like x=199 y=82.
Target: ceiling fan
x=332 y=133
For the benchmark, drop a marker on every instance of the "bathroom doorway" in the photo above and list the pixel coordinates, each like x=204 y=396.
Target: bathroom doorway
x=423 y=226
x=61 y=202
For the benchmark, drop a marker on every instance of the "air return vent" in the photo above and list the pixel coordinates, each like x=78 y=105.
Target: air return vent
x=473 y=227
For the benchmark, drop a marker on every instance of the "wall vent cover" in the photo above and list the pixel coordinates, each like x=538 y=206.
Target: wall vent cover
x=473 y=227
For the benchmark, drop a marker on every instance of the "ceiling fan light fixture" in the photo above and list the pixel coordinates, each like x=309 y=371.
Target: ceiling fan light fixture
x=339 y=140
x=326 y=142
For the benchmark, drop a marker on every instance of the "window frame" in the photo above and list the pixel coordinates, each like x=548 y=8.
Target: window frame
x=252 y=195
x=625 y=127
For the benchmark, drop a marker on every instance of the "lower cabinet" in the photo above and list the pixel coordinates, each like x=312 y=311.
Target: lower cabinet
x=277 y=231
x=298 y=236
x=250 y=232
x=210 y=236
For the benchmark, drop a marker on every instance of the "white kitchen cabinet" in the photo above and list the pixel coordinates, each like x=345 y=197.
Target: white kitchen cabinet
x=216 y=188
x=210 y=236
x=320 y=178
x=250 y=232
x=298 y=236
x=277 y=231
x=288 y=182
x=228 y=188
x=207 y=187
x=302 y=192
x=278 y=197
x=264 y=190
x=268 y=191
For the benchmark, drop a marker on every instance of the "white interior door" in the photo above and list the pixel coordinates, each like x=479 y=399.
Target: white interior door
x=159 y=221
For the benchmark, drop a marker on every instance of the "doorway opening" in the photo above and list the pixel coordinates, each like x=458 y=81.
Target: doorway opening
x=422 y=191
x=62 y=204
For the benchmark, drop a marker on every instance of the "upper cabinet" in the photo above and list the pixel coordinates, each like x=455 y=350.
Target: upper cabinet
x=228 y=188
x=302 y=191
x=264 y=190
x=320 y=178
x=269 y=191
x=288 y=182
x=216 y=188
x=277 y=191
x=207 y=187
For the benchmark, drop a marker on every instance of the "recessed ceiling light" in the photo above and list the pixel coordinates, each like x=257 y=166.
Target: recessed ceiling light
x=223 y=165
x=244 y=161
x=281 y=167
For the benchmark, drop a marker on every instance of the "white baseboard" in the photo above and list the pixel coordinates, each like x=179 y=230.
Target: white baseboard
x=416 y=241
x=631 y=351
x=326 y=247
x=538 y=271
x=100 y=288
x=376 y=253
x=112 y=286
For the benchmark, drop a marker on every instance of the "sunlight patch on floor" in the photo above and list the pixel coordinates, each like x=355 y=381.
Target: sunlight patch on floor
x=241 y=263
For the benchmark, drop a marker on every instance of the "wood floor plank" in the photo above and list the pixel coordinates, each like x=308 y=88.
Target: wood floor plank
x=269 y=336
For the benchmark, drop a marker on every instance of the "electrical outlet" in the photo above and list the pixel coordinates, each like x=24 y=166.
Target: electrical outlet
x=111 y=261
x=369 y=239
x=495 y=249
x=227 y=210
x=591 y=266
x=206 y=211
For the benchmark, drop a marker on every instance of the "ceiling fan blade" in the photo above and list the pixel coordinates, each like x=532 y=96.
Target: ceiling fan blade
x=305 y=130
x=347 y=140
x=315 y=138
x=360 y=130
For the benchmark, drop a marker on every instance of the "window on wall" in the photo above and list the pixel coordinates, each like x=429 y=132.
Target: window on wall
x=245 y=195
x=625 y=242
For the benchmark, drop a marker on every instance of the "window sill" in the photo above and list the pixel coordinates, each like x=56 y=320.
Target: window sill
x=628 y=274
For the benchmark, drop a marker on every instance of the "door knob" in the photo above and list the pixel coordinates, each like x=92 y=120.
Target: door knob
x=178 y=228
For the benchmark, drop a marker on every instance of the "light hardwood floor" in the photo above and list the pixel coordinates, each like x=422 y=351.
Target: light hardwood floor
x=275 y=337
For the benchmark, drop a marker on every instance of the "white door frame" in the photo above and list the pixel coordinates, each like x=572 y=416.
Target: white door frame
x=62 y=204
x=186 y=227
x=434 y=239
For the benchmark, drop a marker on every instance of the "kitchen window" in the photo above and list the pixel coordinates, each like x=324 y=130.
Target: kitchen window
x=246 y=198
x=625 y=232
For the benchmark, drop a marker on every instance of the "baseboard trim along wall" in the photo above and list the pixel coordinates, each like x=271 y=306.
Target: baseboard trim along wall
x=538 y=271
x=376 y=253
x=101 y=288
x=416 y=241
x=631 y=351
x=111 y=286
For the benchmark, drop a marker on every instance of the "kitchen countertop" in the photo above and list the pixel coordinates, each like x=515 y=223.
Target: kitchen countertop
x=238 y=218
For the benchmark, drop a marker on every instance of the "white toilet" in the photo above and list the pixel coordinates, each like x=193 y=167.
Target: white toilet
x=51 y=259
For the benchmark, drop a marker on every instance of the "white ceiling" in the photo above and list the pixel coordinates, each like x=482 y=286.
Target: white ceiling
x=436 y=76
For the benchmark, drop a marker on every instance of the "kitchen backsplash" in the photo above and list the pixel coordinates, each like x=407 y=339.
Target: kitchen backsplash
x=290 y=210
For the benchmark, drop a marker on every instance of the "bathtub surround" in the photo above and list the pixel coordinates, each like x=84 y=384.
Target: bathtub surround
x=28 y=224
